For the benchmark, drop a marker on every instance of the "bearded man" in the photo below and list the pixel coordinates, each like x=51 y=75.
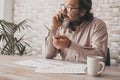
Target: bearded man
x=75 y=33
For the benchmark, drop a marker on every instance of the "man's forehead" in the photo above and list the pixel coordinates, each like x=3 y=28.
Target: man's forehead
x=71 y=2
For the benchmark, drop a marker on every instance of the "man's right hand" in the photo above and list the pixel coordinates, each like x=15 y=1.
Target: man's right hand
x=56 y=21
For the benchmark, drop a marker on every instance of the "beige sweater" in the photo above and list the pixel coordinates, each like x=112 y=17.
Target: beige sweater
x=90 y=38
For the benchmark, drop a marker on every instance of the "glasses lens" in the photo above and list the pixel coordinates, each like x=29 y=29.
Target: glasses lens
x=63 y=7
x=68 y=9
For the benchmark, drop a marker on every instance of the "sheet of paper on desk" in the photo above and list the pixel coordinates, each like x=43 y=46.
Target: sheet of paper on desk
x=53 y=66
x=68 y=68
x=33 y=63
x=42 y=63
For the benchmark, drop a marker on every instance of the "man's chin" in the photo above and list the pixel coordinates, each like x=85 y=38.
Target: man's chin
x=69 y=23
x=65 y=24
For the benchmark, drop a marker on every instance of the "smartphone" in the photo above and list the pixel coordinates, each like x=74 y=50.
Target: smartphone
x=62 y=18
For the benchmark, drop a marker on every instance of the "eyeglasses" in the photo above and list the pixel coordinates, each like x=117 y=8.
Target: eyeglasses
x=69 y=9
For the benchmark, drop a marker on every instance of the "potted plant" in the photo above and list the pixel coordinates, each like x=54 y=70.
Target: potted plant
x=12 y=44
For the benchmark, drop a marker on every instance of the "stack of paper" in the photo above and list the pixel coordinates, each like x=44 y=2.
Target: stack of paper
x=53 y=66
x=71 y=68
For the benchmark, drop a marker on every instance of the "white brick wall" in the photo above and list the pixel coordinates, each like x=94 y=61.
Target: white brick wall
x=41 y=11
x=109 y=11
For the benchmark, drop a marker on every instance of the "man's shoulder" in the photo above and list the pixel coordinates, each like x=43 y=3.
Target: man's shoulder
x=98 y=23
x=97 y=20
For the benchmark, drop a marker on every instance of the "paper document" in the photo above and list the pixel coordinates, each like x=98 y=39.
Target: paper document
x=53 y=66
x=70 y=68
x=34 y=63
x=42 y=63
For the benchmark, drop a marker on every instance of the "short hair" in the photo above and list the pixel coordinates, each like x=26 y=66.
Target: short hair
x=87 y=5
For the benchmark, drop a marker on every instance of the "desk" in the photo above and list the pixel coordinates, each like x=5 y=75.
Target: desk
x=11 y=71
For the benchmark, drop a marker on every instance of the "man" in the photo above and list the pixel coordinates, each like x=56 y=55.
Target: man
x=75 y=33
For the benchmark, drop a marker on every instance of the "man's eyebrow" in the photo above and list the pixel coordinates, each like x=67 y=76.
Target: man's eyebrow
x=71 y=5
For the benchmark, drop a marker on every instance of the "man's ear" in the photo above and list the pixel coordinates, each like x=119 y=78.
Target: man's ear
x=82 y=12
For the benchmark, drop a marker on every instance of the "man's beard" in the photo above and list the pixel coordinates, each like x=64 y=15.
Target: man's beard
x=67 y=23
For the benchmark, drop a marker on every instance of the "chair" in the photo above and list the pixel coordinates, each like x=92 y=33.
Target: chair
x=108 y=58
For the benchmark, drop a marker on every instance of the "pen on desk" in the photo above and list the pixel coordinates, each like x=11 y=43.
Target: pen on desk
x=46 y=27
x=56 y=34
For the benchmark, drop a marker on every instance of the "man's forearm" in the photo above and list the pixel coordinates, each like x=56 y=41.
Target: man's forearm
x=49 y=49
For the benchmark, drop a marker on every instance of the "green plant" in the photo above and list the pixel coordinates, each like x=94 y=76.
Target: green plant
x=12 y=44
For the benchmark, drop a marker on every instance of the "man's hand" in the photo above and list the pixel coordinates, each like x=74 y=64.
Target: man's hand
x=61 y=42
x=56 y=21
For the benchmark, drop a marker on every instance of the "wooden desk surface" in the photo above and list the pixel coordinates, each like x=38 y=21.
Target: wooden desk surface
x=11 y=71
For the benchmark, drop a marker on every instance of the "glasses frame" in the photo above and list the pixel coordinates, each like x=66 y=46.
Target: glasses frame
x=69 y=9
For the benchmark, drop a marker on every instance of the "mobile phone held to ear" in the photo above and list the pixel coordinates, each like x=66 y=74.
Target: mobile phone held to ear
x=62 y=18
